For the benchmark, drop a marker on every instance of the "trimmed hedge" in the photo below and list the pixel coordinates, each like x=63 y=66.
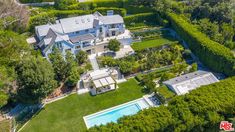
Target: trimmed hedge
x=126 y=4
x=35 y=1
x=214 y=55
x=149 y=18
x=51 y=16
x=103 y=10
x=140 y=18
x=107 y=3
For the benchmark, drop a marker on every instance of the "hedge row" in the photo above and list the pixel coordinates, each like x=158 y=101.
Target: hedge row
x=35 y=1
x=126 y=4
x=214 y=55
x=103 y=10
x=51 y=16
x=149 y=18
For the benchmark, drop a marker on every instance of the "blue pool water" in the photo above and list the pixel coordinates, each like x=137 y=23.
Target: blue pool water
x=114 y=114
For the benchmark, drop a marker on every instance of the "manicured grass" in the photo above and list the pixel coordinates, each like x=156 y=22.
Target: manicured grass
x=164 y=91
x=66 y=115
x=5 y=126
x=150 y=43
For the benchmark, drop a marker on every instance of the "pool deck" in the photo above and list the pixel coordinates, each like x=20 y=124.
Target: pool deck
x=109 y=109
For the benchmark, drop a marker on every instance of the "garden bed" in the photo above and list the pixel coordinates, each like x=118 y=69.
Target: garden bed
x=151 y=44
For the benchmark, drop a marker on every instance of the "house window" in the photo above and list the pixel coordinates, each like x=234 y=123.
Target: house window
x=86 y=30
x=78 y=47
x=68 y=49
x=112 y=26
x=113 y=33
x=59 y=45
x=101 y=30
x=77 y=32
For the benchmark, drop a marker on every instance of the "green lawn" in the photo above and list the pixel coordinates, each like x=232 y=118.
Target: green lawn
x=5 y=126
x=66 y=115
x=164 y=91
x=150 y=43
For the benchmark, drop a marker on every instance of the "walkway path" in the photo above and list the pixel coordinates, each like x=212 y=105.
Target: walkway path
x=93 y=61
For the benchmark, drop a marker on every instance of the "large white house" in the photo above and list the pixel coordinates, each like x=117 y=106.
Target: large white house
x=90 y=33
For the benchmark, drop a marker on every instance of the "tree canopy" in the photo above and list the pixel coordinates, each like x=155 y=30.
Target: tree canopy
x=35 y=78
x=59 y=64
x=114 y=45
x=81 y=57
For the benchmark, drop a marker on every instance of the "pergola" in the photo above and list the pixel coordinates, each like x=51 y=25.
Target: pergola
x=104 y=84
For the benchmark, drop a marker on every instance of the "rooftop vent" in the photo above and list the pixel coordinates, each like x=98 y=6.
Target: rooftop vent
x=83 y=21
x=77 y=21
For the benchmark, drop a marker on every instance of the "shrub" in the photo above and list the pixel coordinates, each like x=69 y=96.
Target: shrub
x=139 y=77
x=114 y=45
x=125 y=67
x=212 y=54
x=63 y=4
x=107 y=61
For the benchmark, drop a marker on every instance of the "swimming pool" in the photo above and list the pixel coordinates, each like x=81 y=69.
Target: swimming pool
x=114 y=113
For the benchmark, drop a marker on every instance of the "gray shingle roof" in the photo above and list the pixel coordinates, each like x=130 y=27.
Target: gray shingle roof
x=113 y=19
x=51 y=37
x=84 y=37
x=185 y=83
x=43 y=29
x=73 y=24
x=79 y=23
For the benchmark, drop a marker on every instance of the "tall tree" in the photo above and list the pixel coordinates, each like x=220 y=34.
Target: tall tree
x=35 y=79
x=81 y=57
x=73 y=77
x=13 y=16
x=13 y=48
x=72 y=68
x=59 y=65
